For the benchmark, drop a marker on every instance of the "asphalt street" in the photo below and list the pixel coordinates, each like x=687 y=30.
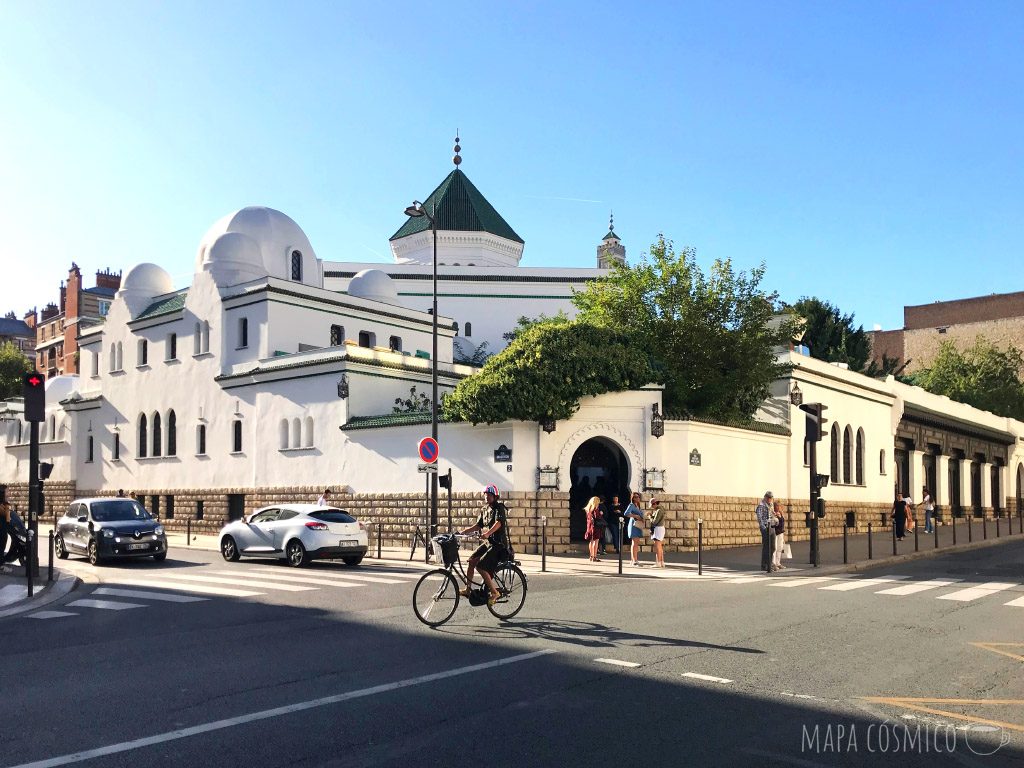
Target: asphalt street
x=196 y=661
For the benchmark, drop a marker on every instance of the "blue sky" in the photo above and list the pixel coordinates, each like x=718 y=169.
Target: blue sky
x=868 y=153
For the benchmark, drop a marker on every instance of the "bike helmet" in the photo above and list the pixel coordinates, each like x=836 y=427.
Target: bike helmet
x=492 y=489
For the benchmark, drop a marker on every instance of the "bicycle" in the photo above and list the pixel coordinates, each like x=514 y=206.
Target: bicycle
x=437 y=592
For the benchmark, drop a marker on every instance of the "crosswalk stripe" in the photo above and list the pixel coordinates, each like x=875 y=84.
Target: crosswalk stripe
x=147 y=595
x=267 y=572
x=973 y=593
x=913 y=589
x=861 y=583
x=301 y=579
x=243 y=583
x=50 y=614
x=802 y=581
x=1018 y=603
x=107 y=605
x=747 y=579
x=202 y=589
x=12 y=593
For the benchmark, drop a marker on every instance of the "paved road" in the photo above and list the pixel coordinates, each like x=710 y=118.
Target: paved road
x=157 y=665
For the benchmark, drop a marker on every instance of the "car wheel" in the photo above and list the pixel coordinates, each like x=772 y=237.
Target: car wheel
x=229 y=549
x=352 y=559
x=93 y=552
x=160 y=557
x=296 y=553
x=58 y=546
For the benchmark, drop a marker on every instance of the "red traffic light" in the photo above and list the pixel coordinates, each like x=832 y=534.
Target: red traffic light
x=34 y=380
x=34 y=392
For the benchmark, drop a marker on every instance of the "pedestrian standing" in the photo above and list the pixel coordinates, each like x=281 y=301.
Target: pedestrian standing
x=120 y=493
x=929 y=509
x=657 y=520
x=766 y=522
x=325 y=498
x=899 y=516
x=908 y=514
x=593 y=533
x=602 y=523
x=780 y=536
x=5 y=522
x=635 y=529
x=611 y=532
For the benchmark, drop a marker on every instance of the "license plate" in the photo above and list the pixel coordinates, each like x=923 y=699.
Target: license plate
x=138 y=546
x=349 y=542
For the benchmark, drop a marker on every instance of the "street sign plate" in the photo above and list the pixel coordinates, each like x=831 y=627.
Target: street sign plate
x=428 y=450
x=427 y=468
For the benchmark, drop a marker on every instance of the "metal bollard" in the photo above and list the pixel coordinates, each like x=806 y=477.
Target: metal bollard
x=188 y=532
x=954 y=530
x=935 y=530
x=49 y=569
x=916 y=547
x=894 y=551
x=870 y=550
x=970 y=528
x=543 y=543
x=29 y=560
x=997 y=527
x=846 y=551
x=376 y=534
x=984 y=526
x=700 y=546
x=622 y=544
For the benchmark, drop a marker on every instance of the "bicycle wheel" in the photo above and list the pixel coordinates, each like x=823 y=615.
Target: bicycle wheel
x=511 y=583
x=436 y=597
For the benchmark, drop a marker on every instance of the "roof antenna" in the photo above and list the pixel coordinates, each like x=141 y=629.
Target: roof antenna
x=457 y=159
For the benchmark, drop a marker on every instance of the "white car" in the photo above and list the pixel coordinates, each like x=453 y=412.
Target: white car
x=297 y=532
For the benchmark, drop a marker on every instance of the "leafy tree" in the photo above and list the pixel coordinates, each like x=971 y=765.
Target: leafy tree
x=831 y=335
x=415 y=403
x=545 y=371
x=13 y=365
x=476 y=358
x=983 y=376
x=713 y=337
x=525 y=322
x=890 y=366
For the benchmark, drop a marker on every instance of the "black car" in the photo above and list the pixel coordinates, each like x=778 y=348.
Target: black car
x=109 y=528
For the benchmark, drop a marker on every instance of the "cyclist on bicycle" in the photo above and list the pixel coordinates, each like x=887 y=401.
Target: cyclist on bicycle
x=492 y=526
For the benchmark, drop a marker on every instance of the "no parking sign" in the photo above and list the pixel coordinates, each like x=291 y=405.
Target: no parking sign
x=428 y=450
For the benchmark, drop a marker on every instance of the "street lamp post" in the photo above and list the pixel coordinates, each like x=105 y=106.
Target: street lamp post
x=416 y=210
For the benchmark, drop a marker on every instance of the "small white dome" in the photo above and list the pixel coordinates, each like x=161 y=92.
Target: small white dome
x=61 y=388
x=234 y=258
x=147 y=279
x=374 y=285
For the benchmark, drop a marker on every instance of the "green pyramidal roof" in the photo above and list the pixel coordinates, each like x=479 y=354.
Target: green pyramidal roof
x=459 y=207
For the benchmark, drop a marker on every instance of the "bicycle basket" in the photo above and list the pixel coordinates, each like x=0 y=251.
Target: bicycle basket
x=449 y=547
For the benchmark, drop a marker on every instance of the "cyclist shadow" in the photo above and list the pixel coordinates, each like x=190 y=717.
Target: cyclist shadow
x=584 y=633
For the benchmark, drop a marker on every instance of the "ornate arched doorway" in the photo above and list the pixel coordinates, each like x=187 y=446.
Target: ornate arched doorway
x=599 y=467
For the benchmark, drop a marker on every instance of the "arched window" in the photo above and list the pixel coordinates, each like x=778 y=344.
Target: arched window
x=172 y=433
x=53 y=428
x=469 y=329
x=120 y=356
x=309 y=432
x=96 y=362
x=834 y=440
x=367 y=339
x=206 y=337
x=143 y=352
x=197 y=339
x=21 y=425
x=113 y=356
x=395 y=343
x=143 y=439
x=296 y=265
x=236 y=436
x=201 y=440
x=881 y=462
x=157 y=436
x=296 y=433
x=283 y=434
x=859 y=456
x=848 y=455
x=337 y=335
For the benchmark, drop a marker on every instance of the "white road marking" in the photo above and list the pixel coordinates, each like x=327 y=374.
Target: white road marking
x=147 y=595
x=748 y=579
x=12 y=593
x=1018 y=603
x=241 y=582
x=973 y=593
x=618 y=663
x=50 y=614
x=913 y=589
x=709 y=678
x=203 y=589
x=294 y=577
x=802 y=581
x=266 y=714
x=861 y=583
x=107 y=605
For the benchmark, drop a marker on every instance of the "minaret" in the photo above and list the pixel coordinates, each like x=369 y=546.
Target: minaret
x=611 y=251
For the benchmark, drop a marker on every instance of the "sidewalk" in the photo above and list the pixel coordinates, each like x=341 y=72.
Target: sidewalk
x=14 y=597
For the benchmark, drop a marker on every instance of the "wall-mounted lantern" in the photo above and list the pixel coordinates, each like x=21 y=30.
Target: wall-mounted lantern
x=657 y=422
x=796 y=397
x=343 y=387
x=547 y=424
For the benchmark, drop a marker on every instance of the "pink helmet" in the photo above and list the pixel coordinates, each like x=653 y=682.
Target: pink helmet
x=492 y=489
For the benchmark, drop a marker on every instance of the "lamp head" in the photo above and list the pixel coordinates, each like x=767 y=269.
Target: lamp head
x=415 y=210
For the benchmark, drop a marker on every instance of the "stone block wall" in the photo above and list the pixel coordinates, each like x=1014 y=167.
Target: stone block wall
x=57 y=495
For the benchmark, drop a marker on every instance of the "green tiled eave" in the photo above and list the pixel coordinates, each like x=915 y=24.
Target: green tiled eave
x=459 y=207
x=164 y=305
x=390 y=420
x=752 y=425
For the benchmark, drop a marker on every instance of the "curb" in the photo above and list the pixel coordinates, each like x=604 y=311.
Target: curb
x=64 y=585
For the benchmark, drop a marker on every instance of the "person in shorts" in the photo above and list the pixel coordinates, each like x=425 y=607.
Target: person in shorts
x=493 y=527
x=656 y=516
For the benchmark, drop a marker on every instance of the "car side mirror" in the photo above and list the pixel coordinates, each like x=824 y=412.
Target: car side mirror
x=82 y=519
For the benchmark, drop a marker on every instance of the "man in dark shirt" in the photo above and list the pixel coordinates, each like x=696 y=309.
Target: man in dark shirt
x=493 y=527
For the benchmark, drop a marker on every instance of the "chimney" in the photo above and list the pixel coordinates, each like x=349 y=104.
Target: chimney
x=71 y=308
x=108 y=279
x=31 y=318
x=49 y=311
x=63 y=295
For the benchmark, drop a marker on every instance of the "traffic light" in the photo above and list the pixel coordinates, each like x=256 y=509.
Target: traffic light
x=820 y=481
x=445 y=480
x=45 y=470
x=820 y=510
x=816 y=421
x=34 y=391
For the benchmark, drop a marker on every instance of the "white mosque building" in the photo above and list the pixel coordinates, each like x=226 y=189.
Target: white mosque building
x=274 y=374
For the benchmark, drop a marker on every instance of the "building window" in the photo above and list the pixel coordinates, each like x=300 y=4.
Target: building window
x=169 y=501
x=296 y=265
x=881 y=462
x=337 y=335
x=157 y=436
x=243 y=332
x=172 y=434
x=283 y=434
x=860 y=457
x=296 y=433
x=96 y=363
x=143 y=352
x=309 y=432
x=367 y=339
x=89 y=444
x=834 y=440
x=104 y=308
x=117 y=446
x=143 y=439
x=199 y=509
x=395 y=343
x=172 y=346
x=848 y=455
x=236 y=438
x=119 y=365
x=154 y=505
x=469 y=330
x=197 y=339
x=201 y=440
x=113 y=357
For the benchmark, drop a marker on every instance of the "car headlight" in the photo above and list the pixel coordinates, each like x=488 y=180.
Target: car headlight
x=159 y=530
x=107 y=534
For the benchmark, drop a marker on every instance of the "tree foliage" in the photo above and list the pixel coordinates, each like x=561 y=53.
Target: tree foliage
x=545 y=371
x=525 y=322
x=713 y=337
x=13 y=365
x=983 y=376
x=831 y=335
x=477 y=357
x=415 y=403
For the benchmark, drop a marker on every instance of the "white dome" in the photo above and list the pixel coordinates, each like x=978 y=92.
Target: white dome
x=374 y=285
x=234 y=258
x=147 y=279
x=61 y=388
x=276 y=237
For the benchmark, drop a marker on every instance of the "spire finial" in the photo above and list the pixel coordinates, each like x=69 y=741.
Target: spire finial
x=457 y=159
x=611 y=221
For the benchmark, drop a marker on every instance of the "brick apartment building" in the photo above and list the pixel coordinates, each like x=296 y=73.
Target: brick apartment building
x=57 y=326
x=998 y=317
x=19 y=333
